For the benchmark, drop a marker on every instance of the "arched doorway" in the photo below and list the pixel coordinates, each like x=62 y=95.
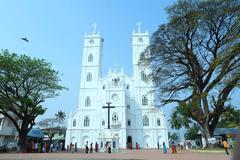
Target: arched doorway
x=129 y=142
x=85 y=139
x=146 y=141
x=159 y=141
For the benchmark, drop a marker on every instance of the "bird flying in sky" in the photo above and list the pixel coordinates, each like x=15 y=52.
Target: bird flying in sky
x=25 y=39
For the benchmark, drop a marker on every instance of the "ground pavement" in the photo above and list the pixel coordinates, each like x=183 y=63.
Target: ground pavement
x=150 y=154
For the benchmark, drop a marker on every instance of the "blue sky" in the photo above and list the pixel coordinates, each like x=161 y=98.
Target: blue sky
x=56 y=28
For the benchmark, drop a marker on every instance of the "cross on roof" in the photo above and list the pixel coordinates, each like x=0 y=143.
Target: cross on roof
x=139 y=26
x=94 y=27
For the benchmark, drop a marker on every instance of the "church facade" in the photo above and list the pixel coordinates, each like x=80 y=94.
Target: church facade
x=134 y=118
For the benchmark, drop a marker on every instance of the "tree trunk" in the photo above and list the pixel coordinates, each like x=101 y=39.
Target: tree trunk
x=208 y=133
x=23 y=142
x=50 y=143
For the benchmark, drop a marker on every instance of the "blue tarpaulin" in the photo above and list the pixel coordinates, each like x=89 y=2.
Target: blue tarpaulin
x=223 y=131
x=35 y=133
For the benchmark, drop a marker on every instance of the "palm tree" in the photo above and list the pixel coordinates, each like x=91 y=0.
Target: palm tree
x=60 y=116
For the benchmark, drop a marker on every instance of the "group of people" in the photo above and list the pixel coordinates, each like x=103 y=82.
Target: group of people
x=39 y=146
x=108 y=147
x=87 y=150
x=173 y=147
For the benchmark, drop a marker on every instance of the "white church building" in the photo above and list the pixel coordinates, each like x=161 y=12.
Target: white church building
x=135 y=118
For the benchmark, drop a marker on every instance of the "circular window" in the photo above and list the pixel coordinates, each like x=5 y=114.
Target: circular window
x=91 y=41
x=115 y=97
x=140 y=40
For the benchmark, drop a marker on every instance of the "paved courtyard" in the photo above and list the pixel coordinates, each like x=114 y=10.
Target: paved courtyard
x=125 y=154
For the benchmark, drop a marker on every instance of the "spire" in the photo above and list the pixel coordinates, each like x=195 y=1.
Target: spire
x=110 y=71
x=139 y=26
x=94 y=25
x=115 y=68
x=122 y=71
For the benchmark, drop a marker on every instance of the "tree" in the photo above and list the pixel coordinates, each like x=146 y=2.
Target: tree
x=60 y=116
x=177 y=118
x=173 y=136
x=192 y=133
x=49 y=125
x=195 y=59
x=24 y=84
x=52 y=125
x=230 y=118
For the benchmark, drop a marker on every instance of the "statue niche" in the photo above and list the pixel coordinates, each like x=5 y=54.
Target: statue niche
x=115 y=81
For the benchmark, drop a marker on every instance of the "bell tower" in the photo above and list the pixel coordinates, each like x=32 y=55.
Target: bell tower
x=91 y=67
x=143 y=95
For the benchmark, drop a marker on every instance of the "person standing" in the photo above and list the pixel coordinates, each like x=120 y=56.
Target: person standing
x=174 y=148
x=225 y=146
x=109 y=148
x=51 y=147
x=96 y=147
x=86 y=147
x=91 y=148
x=75 y=147
x=158 y=145
x=47 y=147
x=39 y=147
x=164 y=148
x=130 y=146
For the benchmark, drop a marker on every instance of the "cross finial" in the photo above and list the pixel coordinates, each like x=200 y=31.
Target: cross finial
x=139 y=26
x=94 y=28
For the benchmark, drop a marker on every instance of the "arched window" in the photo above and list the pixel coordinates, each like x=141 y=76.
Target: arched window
x=90 y=58
x=89 y=77
x=129 y=122
x=86 y=121
x=74 y=123
x=103 y=123
x=145 y=121
x=114 y=144
x=143 y=76
x=87 y=102
x=144 y=100
x=114 y=118
x=158 y=122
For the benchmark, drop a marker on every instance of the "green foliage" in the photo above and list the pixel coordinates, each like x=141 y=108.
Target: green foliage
x=24 y=84
x=230 y=118
x=179 y=117
x=173 y=136
x=60 y=117
x=192 y=133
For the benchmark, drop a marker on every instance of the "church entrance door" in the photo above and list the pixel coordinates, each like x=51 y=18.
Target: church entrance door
x=129 y=142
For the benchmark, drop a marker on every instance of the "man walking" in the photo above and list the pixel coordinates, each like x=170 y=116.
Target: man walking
x=225 y=146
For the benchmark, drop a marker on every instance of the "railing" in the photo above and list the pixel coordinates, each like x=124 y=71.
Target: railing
x=116 y=124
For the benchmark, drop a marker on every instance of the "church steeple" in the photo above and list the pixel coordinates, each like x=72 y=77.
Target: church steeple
x=91 y=64
x=140 y=41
